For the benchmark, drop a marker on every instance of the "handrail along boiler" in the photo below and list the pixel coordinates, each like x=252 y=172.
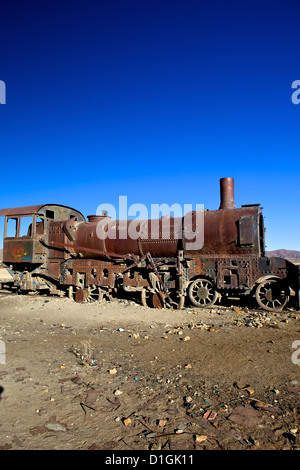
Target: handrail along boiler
x=60 y=252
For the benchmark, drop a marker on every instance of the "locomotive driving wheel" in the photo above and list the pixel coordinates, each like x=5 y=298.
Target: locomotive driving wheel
x=202 y=293
x=86 y=295
x=272 y=295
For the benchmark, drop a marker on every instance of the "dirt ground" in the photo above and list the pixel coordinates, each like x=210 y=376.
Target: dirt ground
x=119 y=376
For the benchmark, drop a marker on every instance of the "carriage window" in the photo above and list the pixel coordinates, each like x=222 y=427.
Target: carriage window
x=26 y=226
x=11 y=228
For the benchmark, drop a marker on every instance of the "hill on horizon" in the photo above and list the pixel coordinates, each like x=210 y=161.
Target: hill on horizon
x=290 y=255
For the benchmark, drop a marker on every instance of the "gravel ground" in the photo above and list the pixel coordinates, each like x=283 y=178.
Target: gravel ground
x=119 y=376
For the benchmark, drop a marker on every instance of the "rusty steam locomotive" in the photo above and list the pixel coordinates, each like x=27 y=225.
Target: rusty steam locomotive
x=61 y=253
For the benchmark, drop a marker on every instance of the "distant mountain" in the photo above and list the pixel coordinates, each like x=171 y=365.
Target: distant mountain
x=290 y=255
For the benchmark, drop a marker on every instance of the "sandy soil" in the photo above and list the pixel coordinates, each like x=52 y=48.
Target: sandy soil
x=119 y=376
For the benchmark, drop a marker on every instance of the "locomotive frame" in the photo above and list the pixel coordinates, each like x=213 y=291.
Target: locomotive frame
x=61 y=254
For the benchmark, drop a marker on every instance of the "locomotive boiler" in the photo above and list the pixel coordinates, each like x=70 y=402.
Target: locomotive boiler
x=53 y=248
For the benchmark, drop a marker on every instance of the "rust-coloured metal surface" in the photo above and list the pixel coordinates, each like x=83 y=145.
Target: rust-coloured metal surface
x=39 y=209
x=21 y=210
x=118 y=238
x=227 y=193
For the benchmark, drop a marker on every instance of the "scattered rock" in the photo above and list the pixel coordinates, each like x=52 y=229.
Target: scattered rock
x=186 y=338
x=245 y=416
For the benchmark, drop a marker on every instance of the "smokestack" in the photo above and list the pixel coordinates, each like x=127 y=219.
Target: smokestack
x=227 y=193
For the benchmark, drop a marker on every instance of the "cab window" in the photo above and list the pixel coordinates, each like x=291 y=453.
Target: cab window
x=26 y=226
x=11 y=228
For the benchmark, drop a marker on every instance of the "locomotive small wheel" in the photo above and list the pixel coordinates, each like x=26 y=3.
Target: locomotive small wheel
x=91 y=294
x=202 y=293
x=272 y=295
x=81 y=295
x=95 y=294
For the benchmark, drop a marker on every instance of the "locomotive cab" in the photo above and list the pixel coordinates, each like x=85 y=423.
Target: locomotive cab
x=22 y=235
x=25 y=255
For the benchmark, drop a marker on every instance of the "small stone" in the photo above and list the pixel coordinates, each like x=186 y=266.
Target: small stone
x=55 y=427
x=241 y=385
x=200 y=438
x=112 y=371
x=127 y=421
x=186 y=338
x=162 y=423
x=151 y=434
x=210 y=415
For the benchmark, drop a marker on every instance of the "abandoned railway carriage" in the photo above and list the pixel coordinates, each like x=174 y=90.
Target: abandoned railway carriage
x=52 y=248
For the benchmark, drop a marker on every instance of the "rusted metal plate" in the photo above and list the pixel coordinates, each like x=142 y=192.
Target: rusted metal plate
x=85 y=272
x=246 y=230
x=18 y=251
x=21 y=210
x=221 y=232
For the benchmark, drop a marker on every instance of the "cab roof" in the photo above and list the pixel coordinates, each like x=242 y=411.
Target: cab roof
x=39 y=209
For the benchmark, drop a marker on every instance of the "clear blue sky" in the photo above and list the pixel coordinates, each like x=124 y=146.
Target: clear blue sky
x=156 y=100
